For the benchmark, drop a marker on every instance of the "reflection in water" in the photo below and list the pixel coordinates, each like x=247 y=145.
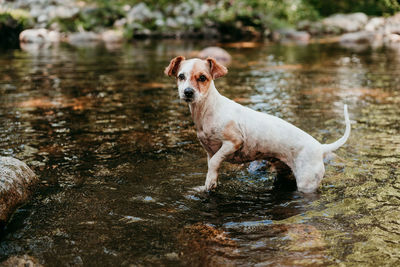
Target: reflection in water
x=118 y=157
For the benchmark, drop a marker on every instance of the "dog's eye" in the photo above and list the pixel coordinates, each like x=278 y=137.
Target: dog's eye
x=181 y=76
x=202 y=78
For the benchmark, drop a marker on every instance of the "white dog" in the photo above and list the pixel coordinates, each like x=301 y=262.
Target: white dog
x=229 y=131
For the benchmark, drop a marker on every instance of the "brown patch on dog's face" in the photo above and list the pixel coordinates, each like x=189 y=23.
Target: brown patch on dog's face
x=194 y=76
x=200 y=77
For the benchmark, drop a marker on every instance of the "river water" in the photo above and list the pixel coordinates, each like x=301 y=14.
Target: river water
x=117 y=156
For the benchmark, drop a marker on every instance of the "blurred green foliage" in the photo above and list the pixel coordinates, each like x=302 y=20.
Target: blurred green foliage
x=370 y=7
x=103 y=15
x=230 y=17
x=259 y=15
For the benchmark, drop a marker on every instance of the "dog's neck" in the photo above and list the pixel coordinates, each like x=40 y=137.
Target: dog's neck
x=203 y=109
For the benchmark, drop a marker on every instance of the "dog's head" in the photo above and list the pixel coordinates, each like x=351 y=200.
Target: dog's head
x=194 y=76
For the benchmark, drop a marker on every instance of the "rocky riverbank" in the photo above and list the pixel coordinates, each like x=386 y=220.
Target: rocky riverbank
x=357 y=29
x=52 y=21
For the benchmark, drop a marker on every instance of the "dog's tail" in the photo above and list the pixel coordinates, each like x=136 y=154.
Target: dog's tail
x=327 y=148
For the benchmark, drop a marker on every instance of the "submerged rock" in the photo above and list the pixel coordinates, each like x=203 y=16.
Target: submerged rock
x=304 y=245
x=21 y=261
x=290 y=35
x=83 y=37
x=357 y=37
x=16 y=181
x=205 y=244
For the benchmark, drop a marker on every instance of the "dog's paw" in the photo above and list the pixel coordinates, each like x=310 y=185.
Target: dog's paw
x=210 y=186
x=199 y=189
x=195 y=193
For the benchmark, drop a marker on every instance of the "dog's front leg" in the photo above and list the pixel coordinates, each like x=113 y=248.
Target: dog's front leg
x=215 y=161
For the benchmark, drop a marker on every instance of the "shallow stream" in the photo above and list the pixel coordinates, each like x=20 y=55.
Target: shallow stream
x=117 y=156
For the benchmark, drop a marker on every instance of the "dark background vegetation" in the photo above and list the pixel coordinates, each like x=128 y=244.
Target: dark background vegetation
x=369 y=7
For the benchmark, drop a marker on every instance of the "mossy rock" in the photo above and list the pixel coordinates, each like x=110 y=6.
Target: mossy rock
x=12 y=23
x=9 y=30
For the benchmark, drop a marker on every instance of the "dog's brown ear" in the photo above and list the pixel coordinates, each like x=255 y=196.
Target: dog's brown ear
x=173 y=67
x=217 y=69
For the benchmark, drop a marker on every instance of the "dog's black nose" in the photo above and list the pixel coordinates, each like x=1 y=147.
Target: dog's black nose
x=188 y=92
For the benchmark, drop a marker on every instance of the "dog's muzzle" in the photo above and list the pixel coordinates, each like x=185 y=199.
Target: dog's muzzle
x=189 y=94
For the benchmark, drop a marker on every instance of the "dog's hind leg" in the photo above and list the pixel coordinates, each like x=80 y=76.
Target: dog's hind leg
x=309 y=172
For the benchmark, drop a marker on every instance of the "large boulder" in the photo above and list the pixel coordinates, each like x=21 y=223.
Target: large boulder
x=375 y=24
x=16 y=182
x=377 y=32
x=39 y=36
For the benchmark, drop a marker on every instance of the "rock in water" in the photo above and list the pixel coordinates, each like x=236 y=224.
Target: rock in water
x=16 y=181
x=290 y=35
x=79 y=38
x=357 y=37
x=216 y=52
x=39 y=36
x=21 y=261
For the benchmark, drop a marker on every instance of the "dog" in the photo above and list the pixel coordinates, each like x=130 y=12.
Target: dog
x=231 y=132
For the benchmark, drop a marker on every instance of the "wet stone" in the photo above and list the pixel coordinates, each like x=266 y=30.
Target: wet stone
x=16 y=181
x=290 y=35
x=39 y=36
x=21 y=261
x=357 y=37
x=218 y=53
x=83 y=38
